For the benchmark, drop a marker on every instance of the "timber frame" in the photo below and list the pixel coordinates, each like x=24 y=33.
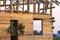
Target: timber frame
x=15 y=6
x=12 y=12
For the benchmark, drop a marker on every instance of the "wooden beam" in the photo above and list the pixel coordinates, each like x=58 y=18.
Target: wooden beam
x=4 y=3
x=43 y=8
x=47 y=8
x=28 y=6
x=51 y=8
x=11 y=6
x=39 y=7
x=5 y=6
x=23 y=6
x=17 y=5
x=0 y=5
x=34 y=6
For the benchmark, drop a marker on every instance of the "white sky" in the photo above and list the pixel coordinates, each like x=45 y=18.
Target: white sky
x=37 y=25
x=56 y=14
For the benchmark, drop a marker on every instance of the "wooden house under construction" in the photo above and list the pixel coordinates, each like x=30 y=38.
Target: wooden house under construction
x=11 y=12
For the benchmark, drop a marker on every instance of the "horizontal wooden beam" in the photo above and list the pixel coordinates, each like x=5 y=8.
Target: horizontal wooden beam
x=40 y=9
x=47 y=8
x=19 y=4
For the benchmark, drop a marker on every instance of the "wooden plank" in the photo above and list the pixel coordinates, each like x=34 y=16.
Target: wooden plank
x=0 y=6
x=34 y=6
x=23 y=6
x=28 y=6
x=39 y=7
x=11 y=6
x=47 y=8
x=4 y=3
x=43 y=8
x=51 y=8
x=17 y=5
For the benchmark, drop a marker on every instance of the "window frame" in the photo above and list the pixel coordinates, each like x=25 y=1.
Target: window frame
x=41 y=27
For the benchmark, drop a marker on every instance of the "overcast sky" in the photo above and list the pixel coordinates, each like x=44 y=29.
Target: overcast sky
x=56 y=14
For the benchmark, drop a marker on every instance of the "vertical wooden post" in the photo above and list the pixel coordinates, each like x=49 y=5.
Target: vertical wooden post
x=39 y=7
x=4 y=3
x=0 y=5
x=14 y=7
x=51 y=13
x=43 y=9
x=23 y=6
x=17 y=7
x=11 y=6
x=34 y=7
x=28 y=6
x=51 y=8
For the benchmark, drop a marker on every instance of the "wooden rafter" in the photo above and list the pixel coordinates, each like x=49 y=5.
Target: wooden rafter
x=34 y=6
x=17 y=5
x=0 y=5
x=28 y=6
x=4 y=3
x=47 y=8
x=51 y=8
x=27 y=2
x=11 y=6
x=23 y=6
x=38 y=7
